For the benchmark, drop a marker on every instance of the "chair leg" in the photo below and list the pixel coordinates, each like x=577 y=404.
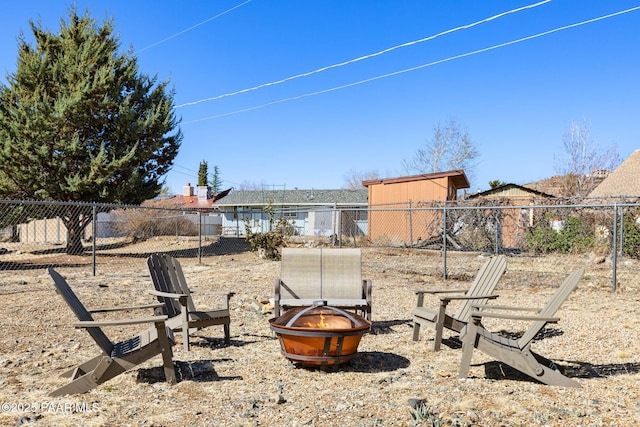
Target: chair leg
x=469 y=338
x=439 y=326
x=227 y=333
x=167 y=353
x=83 y=368
x=79 y=385
x=185 y=341
x=104 y=369
x=416 y=330
x=185 y=327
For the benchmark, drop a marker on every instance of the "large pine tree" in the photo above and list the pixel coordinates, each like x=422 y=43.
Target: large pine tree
x=79 y=122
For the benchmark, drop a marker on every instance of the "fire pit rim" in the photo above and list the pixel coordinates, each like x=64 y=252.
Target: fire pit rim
x=315 y=331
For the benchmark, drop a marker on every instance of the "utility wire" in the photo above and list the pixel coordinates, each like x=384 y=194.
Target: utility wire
x=361 y=58
x=192 y=27
x=406 y=70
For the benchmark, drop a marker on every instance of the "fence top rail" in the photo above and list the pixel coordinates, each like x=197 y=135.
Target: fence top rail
x=413 y=206
x=475 y=207
x=198 y=209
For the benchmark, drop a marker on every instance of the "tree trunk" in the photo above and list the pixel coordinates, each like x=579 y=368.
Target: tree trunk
x=75 y=223
x=74 y=242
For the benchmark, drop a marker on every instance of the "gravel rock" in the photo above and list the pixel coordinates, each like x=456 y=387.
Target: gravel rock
x=250 y=383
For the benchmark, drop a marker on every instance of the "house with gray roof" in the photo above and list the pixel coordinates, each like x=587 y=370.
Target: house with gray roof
x=310 y=212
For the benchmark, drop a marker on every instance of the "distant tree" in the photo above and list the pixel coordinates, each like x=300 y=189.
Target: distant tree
x=581 y=158
x=203 y=174
x=216 y=181
x=353 y=179
x=496 y=183
x=78 y=122
x=450 y=148
x=249 y=186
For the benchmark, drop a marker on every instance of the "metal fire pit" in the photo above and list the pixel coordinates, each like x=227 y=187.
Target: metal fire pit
x=319 y=335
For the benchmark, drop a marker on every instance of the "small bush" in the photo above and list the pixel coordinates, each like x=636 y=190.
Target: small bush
x=268 y=244
x=576 y=236
x=631 y=243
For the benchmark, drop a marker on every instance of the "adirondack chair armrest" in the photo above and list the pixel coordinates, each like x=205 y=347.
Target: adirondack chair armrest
x=441 y=291
x=167 y=294
x=505 y=307
x=124 y=308
x=465 y=297
x=477 y=315
x=420 y=294
x=119 y=322
x=226 y=294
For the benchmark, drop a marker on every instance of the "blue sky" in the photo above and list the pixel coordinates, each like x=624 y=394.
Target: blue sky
x=515 y=101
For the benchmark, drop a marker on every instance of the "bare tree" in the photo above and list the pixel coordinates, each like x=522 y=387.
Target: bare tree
x=582 y=157
x=247 y=185
x=353 y=179
x=450 y=148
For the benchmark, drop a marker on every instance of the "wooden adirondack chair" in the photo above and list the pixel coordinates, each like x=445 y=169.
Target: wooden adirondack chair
x=333 y=275
x=172 y=290
x=116 y=358
x=516 y=352
x=480 y=291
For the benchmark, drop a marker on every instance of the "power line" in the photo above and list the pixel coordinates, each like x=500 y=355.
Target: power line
x=185 y=168
x=406 y=70
x=192 y=27
x=361 y=58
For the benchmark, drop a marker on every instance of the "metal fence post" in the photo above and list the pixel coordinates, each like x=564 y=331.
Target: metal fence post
x=199 y=237
x=496 y=218
x=614 y=258
x=94 y=227
x=444 y=242
x=621 y=238
x=410 y=225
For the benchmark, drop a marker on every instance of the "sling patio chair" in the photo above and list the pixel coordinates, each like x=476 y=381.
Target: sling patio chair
x=172 y=290
x=516 y=352
x=115 y=358
x=480 y=291
x=331 y=275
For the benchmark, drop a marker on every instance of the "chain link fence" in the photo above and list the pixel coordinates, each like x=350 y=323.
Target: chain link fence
x=101 y=237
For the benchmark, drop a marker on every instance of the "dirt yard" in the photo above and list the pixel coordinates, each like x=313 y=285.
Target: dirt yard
x=249 y=383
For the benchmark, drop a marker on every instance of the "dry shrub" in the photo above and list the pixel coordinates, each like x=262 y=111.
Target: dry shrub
x=144 y=224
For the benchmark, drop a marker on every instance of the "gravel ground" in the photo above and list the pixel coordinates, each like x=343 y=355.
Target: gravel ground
x=249 y=383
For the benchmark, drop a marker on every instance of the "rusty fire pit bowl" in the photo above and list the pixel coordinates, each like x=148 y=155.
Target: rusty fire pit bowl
x=319 y=336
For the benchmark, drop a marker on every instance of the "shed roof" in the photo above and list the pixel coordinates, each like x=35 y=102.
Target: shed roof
x=295 y=197
x=624 y=181
x=457 y=176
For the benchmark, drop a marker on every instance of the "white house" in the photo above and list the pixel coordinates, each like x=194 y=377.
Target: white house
x=310 y=212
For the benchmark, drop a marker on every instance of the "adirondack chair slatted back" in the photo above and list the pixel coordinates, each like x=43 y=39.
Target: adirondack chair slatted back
x=178 y=281
x=549 y=310
x=164 y=275
x=484 y=284
x=301 y=273
x=342 y=273
x=80 y=311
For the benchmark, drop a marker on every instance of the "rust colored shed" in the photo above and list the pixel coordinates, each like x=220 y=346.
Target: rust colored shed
x=391 y=200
